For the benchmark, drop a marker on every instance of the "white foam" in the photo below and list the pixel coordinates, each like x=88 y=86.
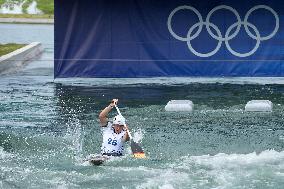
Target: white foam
x=60 y=183
x=222 y=160
x=231 y=170
x=165 y=179
x=138 y=135
x=4 y=154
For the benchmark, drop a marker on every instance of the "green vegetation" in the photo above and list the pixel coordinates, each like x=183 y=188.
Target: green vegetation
x=1 y=2
x=26 y=5
x=10 y=47
x=47 y=6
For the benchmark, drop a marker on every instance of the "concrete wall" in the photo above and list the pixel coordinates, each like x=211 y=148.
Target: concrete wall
x=27 y=20
x=15 y=60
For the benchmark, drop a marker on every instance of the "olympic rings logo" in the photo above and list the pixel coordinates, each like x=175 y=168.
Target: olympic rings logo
x=228 y=36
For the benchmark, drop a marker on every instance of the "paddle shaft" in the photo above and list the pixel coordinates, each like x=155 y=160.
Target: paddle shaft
x=136 y=149
x=127 y=130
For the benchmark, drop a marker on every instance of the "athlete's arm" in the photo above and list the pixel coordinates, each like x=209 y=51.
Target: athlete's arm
x=103 y=115
x=126 y=136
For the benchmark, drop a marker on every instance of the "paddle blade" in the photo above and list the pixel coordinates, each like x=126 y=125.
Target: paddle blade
x=139 y=155
x=137 y=150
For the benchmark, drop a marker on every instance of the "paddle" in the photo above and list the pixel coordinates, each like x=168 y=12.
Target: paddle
x=135 y=148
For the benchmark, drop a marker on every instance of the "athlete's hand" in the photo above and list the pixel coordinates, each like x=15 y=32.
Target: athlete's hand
x=126 y=136
x=125 y=127
x=113 y=102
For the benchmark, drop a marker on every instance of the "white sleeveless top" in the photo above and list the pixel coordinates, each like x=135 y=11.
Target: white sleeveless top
x=112 y=142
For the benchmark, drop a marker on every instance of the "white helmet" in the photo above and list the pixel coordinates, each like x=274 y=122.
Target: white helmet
x=120 y=120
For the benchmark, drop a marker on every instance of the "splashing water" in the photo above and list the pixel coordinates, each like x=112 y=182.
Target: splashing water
x=4 y=154
x=138 y=135
x=75 y=132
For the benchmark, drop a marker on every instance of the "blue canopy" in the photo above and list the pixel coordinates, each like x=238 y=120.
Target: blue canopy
x=146 y=38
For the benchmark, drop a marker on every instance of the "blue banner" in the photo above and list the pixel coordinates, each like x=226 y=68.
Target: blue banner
x=146 y=38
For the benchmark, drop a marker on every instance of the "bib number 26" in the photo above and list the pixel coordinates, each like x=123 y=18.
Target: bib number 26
x=112 y=142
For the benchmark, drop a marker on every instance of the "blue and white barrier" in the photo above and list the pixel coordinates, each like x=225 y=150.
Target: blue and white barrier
x=259 y=106
x=179 y=105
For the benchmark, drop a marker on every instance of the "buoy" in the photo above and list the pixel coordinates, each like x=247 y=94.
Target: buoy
x=259 y=106
x=179 y=105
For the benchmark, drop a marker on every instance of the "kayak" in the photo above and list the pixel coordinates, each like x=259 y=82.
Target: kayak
x=97 y=159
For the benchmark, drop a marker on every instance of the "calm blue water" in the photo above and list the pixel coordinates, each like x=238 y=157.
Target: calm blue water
x=47 y=128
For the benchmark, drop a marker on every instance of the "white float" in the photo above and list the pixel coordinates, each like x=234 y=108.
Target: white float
x=179 y=105
x=259 y=106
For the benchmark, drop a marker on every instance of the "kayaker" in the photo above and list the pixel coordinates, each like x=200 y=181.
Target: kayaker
x=114 y=133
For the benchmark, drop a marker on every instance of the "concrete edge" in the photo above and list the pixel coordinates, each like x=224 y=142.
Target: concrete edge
x=27 y=20
x=15 y=60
